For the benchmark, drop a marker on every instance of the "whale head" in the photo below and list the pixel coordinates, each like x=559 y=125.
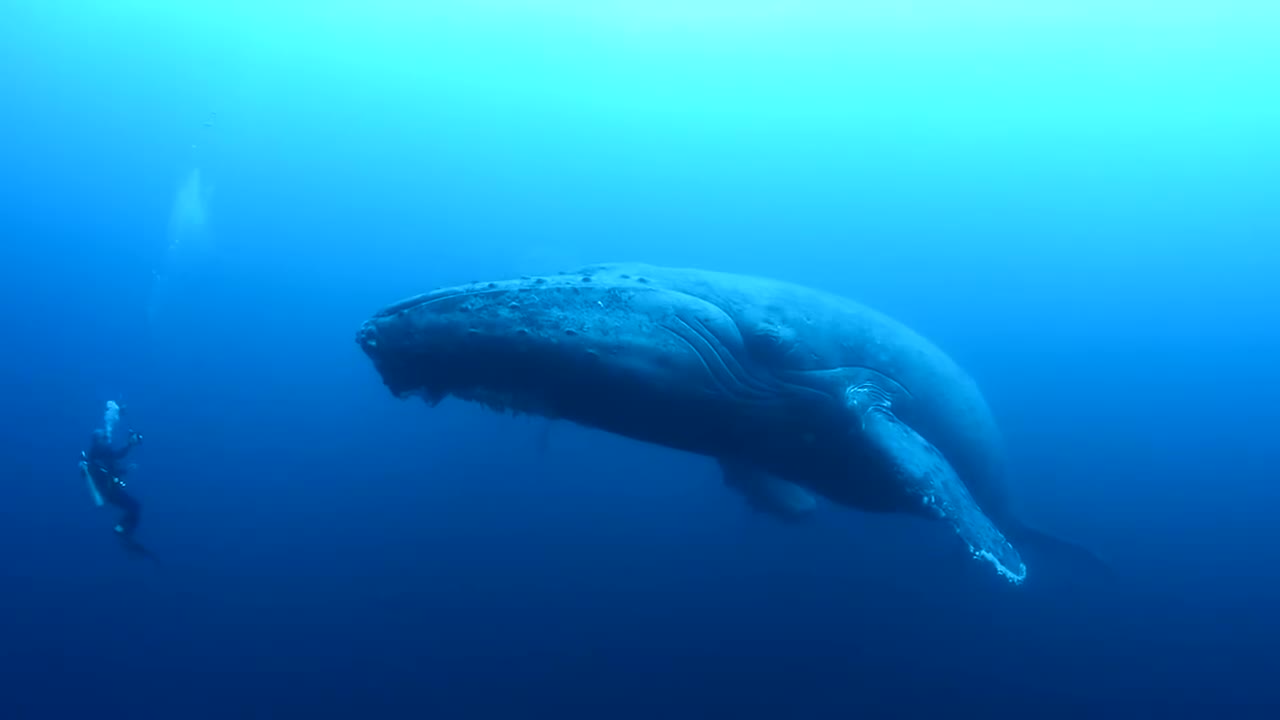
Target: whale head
x=568 y=345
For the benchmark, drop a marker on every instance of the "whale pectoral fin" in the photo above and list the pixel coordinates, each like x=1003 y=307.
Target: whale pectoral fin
x=767 y=493
x=926 y=475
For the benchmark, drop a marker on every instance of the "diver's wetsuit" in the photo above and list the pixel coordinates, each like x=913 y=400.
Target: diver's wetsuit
x=103 y=470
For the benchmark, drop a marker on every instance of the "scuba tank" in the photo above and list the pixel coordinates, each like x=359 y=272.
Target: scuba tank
x=88 y=477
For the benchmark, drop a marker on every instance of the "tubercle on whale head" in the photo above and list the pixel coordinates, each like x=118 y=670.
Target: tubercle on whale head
x=537 y=344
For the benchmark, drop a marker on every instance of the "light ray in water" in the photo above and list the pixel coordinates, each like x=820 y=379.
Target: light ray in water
x=189 y=243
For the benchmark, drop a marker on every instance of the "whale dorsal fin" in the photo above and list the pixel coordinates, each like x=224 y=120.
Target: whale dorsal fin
x=927 y=476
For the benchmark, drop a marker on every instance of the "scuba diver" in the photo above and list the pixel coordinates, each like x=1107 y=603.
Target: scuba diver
x=101 y=465
x=104 y=472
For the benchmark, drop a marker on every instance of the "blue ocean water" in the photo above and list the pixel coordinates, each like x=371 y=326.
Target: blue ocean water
x=203 y=200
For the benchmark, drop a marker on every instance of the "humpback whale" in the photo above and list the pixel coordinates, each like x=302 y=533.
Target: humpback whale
x=798 y=393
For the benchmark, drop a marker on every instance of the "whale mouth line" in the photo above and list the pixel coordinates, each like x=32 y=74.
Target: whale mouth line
x=502 y=402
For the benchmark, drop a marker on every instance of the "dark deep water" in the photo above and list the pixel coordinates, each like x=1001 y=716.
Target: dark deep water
x=1076 y=200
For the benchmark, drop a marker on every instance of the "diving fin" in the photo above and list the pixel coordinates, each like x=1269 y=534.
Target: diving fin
x=137 y=549
x=926 y=475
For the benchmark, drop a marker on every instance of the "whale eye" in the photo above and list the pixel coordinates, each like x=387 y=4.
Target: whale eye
x=770 y=342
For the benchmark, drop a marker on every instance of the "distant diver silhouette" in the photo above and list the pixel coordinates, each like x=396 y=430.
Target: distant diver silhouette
x=102 y=469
